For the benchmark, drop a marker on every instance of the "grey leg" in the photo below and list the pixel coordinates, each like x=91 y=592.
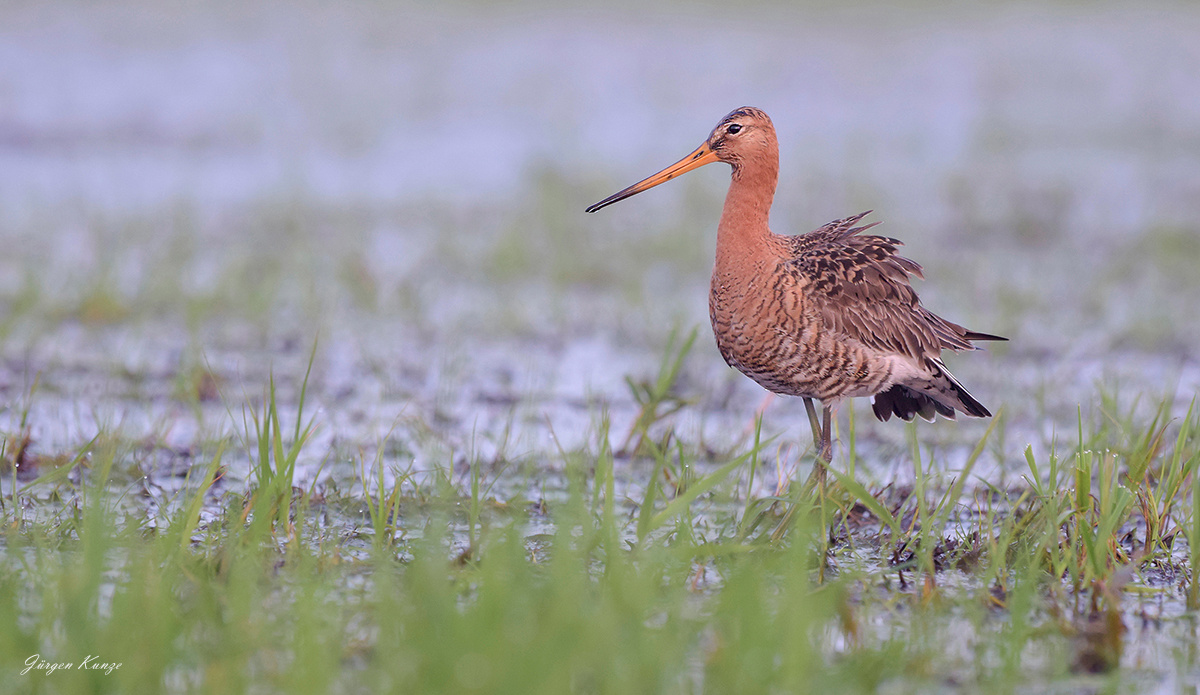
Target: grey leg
x=827 y=434
x=821 y=428
x=813 y=421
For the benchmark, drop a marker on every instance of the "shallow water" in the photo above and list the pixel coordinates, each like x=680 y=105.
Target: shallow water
x=216 y=188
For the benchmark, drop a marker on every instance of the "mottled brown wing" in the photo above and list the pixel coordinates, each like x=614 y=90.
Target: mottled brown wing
x=861 y=287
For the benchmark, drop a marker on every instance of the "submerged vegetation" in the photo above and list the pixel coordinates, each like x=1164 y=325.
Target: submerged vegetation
x=514 y=461
x=437 y=581
x=229 y=512
x=448 y=495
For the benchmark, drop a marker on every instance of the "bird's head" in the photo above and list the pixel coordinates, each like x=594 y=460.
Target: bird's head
x=744 y=134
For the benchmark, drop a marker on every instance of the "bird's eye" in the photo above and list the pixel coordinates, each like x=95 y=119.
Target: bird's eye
x=734 y=129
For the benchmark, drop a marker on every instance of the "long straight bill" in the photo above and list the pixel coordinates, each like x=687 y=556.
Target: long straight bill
x=703 y=155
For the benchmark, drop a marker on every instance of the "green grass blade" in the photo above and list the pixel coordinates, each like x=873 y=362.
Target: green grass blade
x=697 y=488
x=867 y=500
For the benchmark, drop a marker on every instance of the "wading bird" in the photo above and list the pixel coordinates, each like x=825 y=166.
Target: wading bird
x=827 y=315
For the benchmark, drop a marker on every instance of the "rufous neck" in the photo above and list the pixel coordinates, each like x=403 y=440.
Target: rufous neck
x=744 y=220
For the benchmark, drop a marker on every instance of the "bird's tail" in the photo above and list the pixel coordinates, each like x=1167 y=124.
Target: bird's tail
x=941 y=395
x=976 y=335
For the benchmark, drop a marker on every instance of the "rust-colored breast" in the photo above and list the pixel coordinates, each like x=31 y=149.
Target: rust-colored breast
x=825 y=314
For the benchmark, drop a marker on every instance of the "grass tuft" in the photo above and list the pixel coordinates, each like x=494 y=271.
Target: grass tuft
x=697 y=585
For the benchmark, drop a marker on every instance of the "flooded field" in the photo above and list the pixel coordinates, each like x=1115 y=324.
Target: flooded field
x=195 y=200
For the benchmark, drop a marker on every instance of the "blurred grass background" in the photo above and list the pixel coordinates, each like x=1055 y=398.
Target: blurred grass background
x=190 y=196
x=407 y=173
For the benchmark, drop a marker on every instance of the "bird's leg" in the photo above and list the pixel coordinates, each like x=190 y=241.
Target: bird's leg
x=813 y=421
x=821 y=439
x=827 y=434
